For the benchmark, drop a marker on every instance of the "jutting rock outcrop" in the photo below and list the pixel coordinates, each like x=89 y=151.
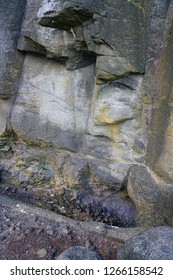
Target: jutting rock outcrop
x=86 y=108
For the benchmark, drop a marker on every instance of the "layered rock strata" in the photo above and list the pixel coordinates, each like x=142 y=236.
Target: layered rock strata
x=87 y=131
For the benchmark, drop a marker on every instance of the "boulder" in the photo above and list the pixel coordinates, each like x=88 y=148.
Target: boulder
x=152 y=244
x=152 y=197
x=79 y=253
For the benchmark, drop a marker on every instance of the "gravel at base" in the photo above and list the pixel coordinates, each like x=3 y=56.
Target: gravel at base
x=29 y=232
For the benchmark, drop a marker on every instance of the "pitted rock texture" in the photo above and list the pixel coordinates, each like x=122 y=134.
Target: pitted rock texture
x=87 y=129
x=152 y=244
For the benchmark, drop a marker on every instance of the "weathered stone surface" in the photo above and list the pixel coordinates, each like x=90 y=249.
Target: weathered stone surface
x=153 y=198
x=11 y=14
x=49 y=102
x=71 y=137
x=106 y=206
x=51 y=42
x=117 y=103
x=68 y=184
x=78 y=253
x=164 y=165
x=114 y=174
x=157 y=26
x=5 y=109
x=115 y=17
x=115 y=129
x=67 y=232
x=118 y=110
x=54 y=43
x=110 y=68
x=64 y=14
x=96 y=14
x=158 y=80
x=152 y=244
x=73 y=170
x=164 y=158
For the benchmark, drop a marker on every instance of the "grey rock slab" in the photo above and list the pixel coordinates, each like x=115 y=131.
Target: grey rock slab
x=49 y=101
x=96 y=228
x=113 y=174
x=110 y=68
x=11 y=14
x=79 y=253
x=164 y=165
x=157 y=12
x=126 y=36
x=158 y=80
x=152 y=197
x=64 y=14
x=96 y=14
x=152 y=244
x=52 y=42
x=100 y=146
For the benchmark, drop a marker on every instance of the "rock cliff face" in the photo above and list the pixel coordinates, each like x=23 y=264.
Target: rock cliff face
x=86 y=114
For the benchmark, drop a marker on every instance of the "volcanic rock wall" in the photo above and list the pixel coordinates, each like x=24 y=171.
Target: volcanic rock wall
x=86 y=114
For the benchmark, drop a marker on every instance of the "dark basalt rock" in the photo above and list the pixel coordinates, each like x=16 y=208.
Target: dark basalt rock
x=110 y=208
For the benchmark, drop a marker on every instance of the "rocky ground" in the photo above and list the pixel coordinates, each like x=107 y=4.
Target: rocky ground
x=29 y=232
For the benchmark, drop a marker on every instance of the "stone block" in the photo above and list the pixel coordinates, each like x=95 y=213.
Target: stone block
x=11 y=15
x=152 y=197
